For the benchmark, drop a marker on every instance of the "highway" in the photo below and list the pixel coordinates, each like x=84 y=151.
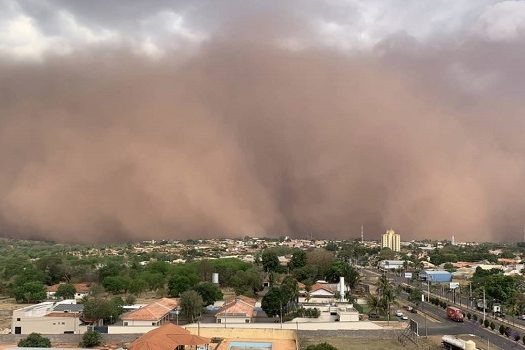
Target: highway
x=446 y=326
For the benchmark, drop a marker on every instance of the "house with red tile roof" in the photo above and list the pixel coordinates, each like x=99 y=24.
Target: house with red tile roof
x=154 y=314
x=241 y=309
x=82 y=290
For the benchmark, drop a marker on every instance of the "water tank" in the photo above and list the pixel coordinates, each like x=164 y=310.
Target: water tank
x=470 y=345
x=215 y=278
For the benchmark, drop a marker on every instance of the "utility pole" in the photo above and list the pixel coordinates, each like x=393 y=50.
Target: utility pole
x=424 y=313
x=363 y=236
x=281 y=304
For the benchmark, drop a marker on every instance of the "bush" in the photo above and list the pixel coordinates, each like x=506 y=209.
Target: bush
x=486 y=323
x=469 y=316
x=492 y=325
x=475 y=317
x=321 y=346
x=91 y=339
x=524 y=339
x=501 y=329
x=508 y=331
x=34 y=340
x=312 y=313
x=517 y=336
x=480 y=321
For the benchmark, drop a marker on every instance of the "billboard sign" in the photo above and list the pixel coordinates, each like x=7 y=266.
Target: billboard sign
x=454 y=285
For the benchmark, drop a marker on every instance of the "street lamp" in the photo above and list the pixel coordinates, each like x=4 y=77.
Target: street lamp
x=177 y=314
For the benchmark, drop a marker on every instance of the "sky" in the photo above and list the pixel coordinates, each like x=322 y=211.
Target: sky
x=180 y=119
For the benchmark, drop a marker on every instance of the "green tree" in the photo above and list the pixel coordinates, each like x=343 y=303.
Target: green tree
x=270 y=260
x=321 y=346
x=387 y=254
x=415 y=295
x=373 y=302
x=331 y=246
x=178 y=284
x=130 y=299
x=343 y=269
x=191 y=304
x=298 y=259
x=117 y=284
x=209 y=292
x=272 y=302
x=65 y=291
x=387 y=292
x=154 y=280
x=91 y=339
x=30 y=292
x=97 y=309
x=34 y=340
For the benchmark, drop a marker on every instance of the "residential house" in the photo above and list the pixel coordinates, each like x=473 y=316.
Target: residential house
x=82 y=290
x=241 y=309
x=154 y=314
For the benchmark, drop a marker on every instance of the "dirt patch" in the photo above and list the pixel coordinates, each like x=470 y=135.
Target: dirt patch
x=7 y=305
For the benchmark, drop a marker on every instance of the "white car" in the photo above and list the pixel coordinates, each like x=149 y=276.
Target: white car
x=399 y=313
x=404 y=317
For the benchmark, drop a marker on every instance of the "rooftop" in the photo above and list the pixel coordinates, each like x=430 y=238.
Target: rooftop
x=152 y=312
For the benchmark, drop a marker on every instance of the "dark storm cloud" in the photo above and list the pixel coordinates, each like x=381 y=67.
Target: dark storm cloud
x=261 y=127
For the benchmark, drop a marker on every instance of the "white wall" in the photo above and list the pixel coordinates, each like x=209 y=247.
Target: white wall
x=129 y=329
x=231 y=320
x=46 y=325
x=140 y=323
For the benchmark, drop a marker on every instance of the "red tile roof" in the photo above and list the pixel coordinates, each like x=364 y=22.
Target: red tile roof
x=322 y=286
x=239 y=305
x=152 y=312
x=83 y=287
x=167 y=337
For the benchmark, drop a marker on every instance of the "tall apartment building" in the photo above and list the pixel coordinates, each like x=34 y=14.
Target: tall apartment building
x=391 y=240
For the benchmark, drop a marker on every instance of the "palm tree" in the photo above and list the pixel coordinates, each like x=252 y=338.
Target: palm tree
x=373 y=302
x=387 y=292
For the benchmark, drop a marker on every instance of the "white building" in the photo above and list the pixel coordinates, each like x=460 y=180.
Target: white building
x=391 y=240
x=49 y=318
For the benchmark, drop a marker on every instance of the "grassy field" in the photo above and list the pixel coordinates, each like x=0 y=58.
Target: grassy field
x=368 y=344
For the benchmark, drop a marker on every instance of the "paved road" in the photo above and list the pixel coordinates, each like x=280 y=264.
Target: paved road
x=446 y=326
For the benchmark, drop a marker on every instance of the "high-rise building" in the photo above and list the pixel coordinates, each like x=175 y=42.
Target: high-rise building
x=391 y=240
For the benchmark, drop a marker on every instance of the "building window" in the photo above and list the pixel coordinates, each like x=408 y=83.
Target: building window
x=153 y=324
x=247 y=321
x=18 y=319
x=125 y=323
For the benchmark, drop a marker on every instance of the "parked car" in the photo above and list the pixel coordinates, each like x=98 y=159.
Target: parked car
x=399 y=313
x=414 y=311
x=404 y=317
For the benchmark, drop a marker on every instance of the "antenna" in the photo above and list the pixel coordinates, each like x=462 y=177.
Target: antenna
x=362 y=234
